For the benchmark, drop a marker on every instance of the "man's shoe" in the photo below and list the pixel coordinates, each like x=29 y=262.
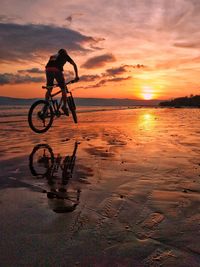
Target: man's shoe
x=65 y=110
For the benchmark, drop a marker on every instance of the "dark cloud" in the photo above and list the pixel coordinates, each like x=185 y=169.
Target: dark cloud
x=69 y=19
x=89 y=78
x=94 y=46
x=33 y=71
x=110 y=75
x=121 y=70
x=105 y=81
x=98 y=61
x=116 y=71
x=115 y=80
x=26 y=42
x=187 y=44
x=10 y=78
x=139 y=66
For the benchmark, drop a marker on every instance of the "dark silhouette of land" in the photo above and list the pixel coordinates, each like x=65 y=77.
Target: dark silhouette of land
x=85 y=101
x=192 y=101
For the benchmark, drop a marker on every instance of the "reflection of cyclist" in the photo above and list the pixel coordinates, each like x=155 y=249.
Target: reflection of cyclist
x=60 y=199
x=54 y=70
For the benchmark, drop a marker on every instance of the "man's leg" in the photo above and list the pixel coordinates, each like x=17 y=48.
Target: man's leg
x=50 y=78
x=61 y=82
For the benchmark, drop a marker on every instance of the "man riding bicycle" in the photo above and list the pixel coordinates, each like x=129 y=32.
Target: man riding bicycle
x=54 y=70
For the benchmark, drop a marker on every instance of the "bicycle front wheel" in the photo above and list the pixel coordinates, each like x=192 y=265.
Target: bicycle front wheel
x=72 y=108
x=41 y=160
x=40 y=116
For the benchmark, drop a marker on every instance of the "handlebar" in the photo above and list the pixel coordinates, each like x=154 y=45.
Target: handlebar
x=72 y=81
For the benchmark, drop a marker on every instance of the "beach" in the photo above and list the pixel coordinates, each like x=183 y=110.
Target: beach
x=133 y=182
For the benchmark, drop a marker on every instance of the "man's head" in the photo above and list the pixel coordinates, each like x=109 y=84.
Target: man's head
x=62 y=51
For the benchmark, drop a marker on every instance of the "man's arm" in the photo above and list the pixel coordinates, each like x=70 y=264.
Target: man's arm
x=75 y=70
x=70 y=60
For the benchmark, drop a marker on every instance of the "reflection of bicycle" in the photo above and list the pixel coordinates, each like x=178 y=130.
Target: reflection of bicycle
x=42 y=112
x=43 y=164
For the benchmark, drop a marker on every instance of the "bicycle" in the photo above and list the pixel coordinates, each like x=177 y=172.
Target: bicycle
x=44 y=165
x=43 y=112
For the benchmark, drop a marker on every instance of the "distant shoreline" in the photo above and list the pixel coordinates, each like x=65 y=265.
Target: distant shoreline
x=86 y=101
x=181 y=102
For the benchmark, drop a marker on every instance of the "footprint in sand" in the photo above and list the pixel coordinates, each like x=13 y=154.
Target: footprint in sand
x=153 y=220
x=149 y=225
x=78 y=223
x=159 y=257
x=106 y=208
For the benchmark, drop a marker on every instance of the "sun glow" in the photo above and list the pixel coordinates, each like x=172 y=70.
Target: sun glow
x=147 y=96
x=147 y=93
x=146 y=121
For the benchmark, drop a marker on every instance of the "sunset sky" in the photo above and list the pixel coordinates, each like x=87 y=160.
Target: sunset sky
x=139 y=49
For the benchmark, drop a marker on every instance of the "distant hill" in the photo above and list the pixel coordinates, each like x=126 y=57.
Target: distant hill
x=16 y=101
x=192 y=101
x=85 y=101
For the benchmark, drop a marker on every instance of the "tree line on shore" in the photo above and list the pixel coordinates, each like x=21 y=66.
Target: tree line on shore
x=191 y=101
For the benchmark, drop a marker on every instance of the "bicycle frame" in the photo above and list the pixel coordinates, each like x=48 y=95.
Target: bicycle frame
x=54 y=102
x=55 y=105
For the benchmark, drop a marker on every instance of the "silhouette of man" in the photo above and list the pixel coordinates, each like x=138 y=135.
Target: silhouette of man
x=54 y=70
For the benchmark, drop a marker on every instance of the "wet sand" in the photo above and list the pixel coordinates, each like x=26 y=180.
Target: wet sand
x=138 y=175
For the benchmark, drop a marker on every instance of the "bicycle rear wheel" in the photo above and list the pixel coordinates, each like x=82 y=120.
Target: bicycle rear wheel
x=40 y=116
x=72 y=108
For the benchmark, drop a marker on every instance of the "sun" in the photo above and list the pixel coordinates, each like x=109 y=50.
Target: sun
x=147 y=92
x=147 y=96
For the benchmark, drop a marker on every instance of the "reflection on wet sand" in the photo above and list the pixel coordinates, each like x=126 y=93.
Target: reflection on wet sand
x=139 y=204
x=57 y=171
x=146 y=121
